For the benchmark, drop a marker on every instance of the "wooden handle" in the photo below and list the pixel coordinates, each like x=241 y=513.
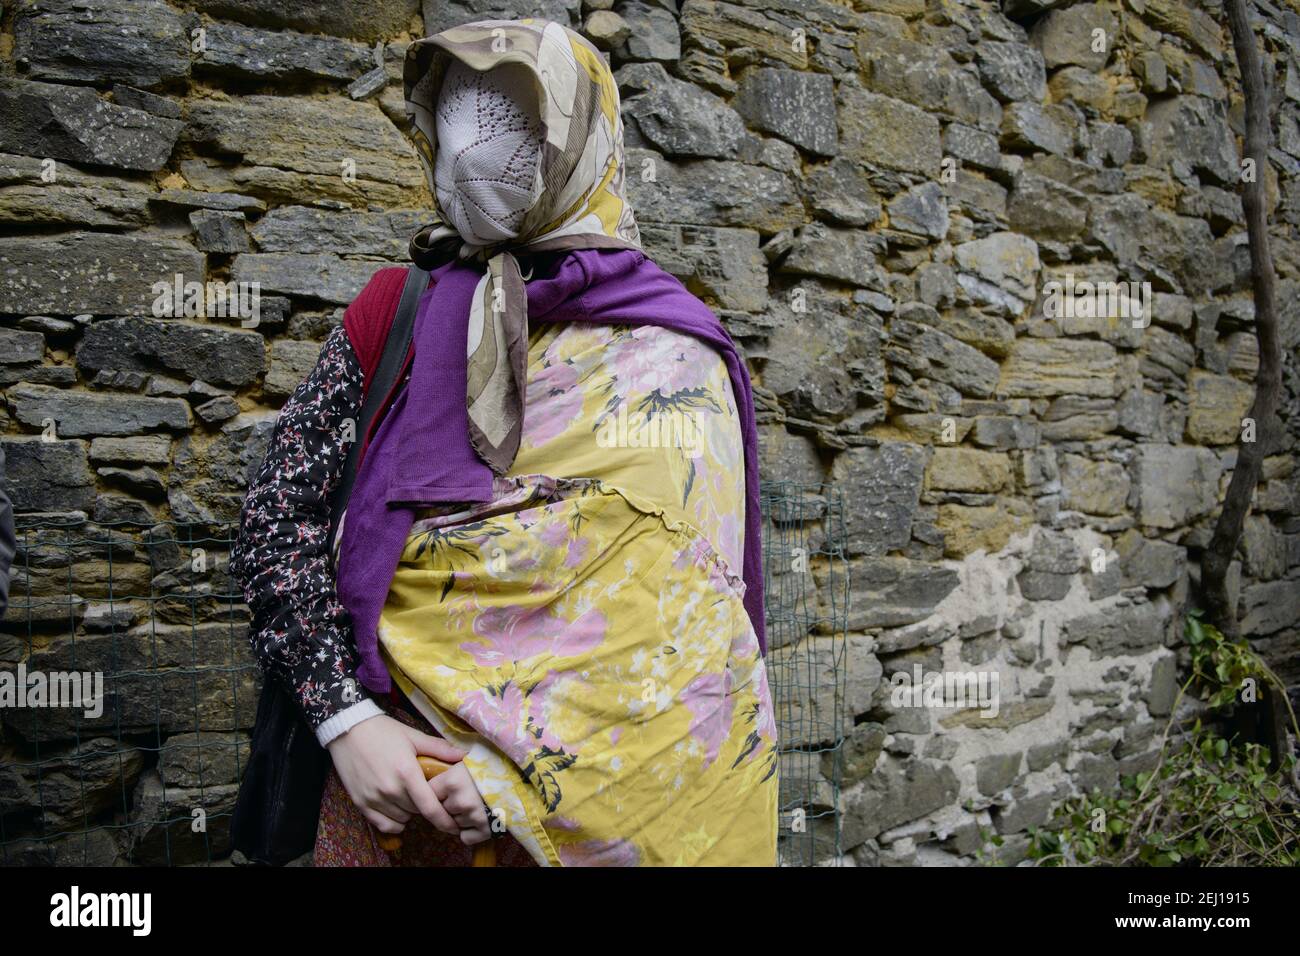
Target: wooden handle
x=432 y=766
x=485 y=854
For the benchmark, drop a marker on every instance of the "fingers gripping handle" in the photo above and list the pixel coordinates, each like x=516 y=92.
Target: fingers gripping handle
x=485 y=854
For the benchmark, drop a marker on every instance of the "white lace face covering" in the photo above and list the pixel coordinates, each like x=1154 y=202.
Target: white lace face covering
x=489 y=145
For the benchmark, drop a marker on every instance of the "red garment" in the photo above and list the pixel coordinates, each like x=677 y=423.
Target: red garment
x=370 y=315
x=367 y=322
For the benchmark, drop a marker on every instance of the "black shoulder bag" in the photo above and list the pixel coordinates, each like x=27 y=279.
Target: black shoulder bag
x=278 y=807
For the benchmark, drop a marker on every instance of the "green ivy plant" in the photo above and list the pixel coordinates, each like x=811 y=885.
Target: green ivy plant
x=1209 y=801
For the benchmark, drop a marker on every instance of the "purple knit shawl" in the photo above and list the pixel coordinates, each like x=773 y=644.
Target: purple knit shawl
x=421 y=453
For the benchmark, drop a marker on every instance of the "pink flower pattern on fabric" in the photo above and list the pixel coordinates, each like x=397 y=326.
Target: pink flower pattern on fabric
x=554 y=403
x=708 y=697
x=518 y=633
x=612 y=852
x=649 y=359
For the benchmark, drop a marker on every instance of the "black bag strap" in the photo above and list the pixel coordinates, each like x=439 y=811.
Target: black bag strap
x=381 y=383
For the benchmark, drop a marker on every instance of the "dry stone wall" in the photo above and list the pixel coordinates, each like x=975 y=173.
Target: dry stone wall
x=877 y=197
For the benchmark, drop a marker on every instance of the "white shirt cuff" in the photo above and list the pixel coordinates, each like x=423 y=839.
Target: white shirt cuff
x=346 y=719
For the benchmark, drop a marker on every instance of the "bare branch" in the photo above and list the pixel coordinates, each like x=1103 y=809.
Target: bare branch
x=1268 y=384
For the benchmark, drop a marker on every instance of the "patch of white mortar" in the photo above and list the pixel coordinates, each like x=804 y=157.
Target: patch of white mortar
x=986 y=589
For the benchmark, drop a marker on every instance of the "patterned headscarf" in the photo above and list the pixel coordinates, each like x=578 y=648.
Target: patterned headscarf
x=579 y=201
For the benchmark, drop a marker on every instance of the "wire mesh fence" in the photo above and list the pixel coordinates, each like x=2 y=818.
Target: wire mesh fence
x=128 y=690
x=806 y=576
x=134 y=751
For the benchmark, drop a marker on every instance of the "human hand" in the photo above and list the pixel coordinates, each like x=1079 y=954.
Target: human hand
x=376 y=762
x=459 y=795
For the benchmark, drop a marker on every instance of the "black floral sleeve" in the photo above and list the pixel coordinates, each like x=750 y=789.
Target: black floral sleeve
x=301 y=634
